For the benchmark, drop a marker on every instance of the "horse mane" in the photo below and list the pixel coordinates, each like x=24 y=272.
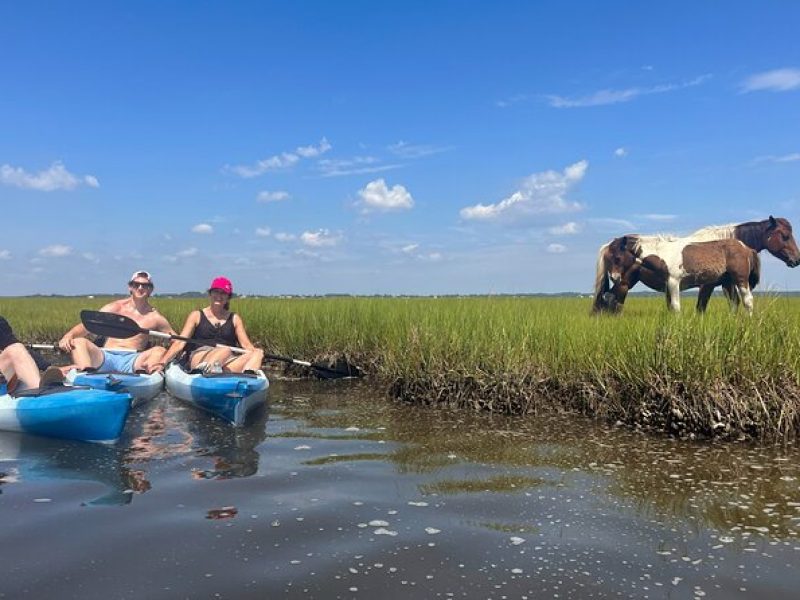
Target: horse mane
x=715 y=232
x=601 y=278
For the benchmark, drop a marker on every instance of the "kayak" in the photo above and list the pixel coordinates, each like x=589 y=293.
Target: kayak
x=70 y=412
x=141 y=386
x=230 y=396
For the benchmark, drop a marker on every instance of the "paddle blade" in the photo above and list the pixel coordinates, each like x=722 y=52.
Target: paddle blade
x=339 y=370
x=110 y=324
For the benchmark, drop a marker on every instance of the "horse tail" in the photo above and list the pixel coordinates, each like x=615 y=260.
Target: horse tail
x=601 y=285
x=755 y=270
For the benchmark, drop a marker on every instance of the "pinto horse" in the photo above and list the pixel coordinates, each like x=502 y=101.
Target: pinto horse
x=670 y=266
x=773 y=235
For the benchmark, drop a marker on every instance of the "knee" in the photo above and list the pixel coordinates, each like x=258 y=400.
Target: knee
x=14 y=351
x=257 y=354
x=82 y=343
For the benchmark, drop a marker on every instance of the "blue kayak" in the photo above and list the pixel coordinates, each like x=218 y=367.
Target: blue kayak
x=230 y=396
x=141 y=386
x=75 y=413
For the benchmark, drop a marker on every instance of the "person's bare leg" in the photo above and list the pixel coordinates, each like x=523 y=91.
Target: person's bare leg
x=16 y=360
x=86 y=355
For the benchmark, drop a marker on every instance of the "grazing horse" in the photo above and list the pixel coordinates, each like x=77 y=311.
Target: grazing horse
x=669 y=265
x=773 y=235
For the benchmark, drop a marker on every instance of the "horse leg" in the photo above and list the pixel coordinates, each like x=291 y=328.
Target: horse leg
x=703 y=296
x=732 y=294
x=747 y=297
x=674 y=294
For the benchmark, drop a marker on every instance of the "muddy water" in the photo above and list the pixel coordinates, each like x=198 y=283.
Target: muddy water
x=336 y=493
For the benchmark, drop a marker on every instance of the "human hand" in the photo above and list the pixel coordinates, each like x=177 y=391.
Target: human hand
x=67 y=343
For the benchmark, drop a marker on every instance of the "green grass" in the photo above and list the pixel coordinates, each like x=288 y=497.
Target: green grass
x=508 y=353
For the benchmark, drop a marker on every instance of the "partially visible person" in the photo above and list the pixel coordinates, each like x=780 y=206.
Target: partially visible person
x=19 y=367
x=216 y=323
x=128 y=355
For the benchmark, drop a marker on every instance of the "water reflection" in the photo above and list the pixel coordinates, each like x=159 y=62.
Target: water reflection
x=230 y=451
x=742 y=490
x=26 y=458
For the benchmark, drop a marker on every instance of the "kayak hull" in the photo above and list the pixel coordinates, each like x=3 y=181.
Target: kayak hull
x=141 y=386
x=67 y=412
x=229 y=396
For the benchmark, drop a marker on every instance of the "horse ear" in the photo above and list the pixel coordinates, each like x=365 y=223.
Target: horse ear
x=623 y=242
x=772 y=222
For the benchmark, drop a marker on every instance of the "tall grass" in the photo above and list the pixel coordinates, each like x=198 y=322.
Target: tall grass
x=712 y=374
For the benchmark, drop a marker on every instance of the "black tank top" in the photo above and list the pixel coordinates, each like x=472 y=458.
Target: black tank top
x=224 y=333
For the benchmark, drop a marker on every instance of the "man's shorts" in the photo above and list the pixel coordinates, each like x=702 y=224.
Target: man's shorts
x=118 y=361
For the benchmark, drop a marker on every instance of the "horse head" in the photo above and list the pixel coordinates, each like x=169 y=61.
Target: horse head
x=780 y=241
x=622 y=254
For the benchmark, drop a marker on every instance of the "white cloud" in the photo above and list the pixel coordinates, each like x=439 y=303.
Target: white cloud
x=277 y=196
x=202 y=228
x=659 y=217
x=376 y=196
x=409 y=248
x=603 y=97
x=620 y=152
x=541 y=193
x=410 y=151
x=280 y=161
x=556 y=249
x=570 y=228
x=192 y=251
x=263 y=231
x=55 y=178
x=777 y=80
x=5 y=255
x=285 y=237
x=55 y=251
x=92 y=258
x=358 y=165
x=793 y=157
x=319 y=238
x=431 y=257
x=611 y=224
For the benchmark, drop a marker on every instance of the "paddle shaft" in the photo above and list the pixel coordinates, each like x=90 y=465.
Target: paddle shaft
x=120 y=326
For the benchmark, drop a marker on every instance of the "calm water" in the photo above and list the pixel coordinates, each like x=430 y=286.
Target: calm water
x=336 y=493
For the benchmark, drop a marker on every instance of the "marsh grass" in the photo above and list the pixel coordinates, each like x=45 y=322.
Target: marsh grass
x=717 y=374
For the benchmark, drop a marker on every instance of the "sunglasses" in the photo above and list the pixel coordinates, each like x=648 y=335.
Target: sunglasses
x=137 y=284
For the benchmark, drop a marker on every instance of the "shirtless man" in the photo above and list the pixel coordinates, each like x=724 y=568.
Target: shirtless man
x=122 y=355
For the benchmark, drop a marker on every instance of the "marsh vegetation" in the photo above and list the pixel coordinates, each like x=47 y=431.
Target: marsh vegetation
x=713 y=375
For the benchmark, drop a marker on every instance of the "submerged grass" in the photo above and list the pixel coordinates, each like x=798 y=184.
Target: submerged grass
x=714 y=375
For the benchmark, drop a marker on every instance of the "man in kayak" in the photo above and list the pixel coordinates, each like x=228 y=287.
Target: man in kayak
x=19 y=367
x=128 y=355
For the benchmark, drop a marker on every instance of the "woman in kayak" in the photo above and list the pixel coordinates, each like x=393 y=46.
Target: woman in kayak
x=213 y=325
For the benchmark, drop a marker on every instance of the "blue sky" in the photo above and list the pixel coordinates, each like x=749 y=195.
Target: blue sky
x=384 y=147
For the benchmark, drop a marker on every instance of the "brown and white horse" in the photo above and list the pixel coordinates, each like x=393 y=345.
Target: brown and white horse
x=729 y=263
x=773 y=235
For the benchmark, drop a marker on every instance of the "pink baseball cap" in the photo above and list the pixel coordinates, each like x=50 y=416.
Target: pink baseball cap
x=223 y=284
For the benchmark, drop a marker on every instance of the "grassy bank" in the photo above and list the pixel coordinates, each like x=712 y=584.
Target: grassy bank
x=719 y=375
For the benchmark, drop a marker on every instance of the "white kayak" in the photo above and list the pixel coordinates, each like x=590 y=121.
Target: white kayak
x=75 y=413
x=141 y=386
x=230 y=396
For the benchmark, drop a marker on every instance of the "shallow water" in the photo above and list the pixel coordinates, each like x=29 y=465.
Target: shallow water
x=338 y=493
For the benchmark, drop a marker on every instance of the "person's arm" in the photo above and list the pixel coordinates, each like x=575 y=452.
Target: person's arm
x=177 y=346
x=66 y=343
x=241 y=334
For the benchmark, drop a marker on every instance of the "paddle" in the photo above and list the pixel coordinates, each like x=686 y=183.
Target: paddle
x=121 y=327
